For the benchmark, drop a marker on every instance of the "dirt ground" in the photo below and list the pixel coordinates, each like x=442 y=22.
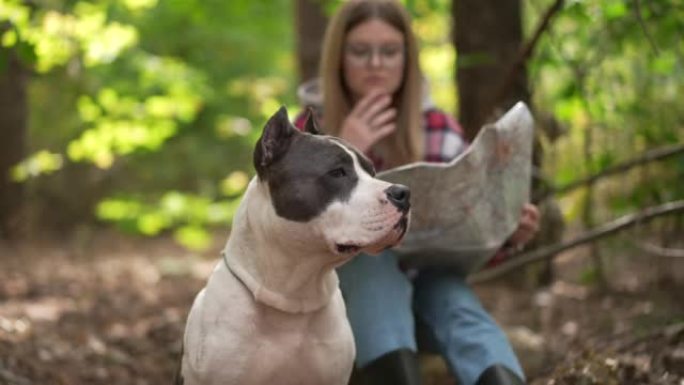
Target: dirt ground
x=103 y=308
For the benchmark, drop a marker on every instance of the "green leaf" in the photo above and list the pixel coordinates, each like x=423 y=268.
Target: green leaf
x=664 y=63
x=153 y=223
x=9 y=38
x=26 y=53
x=193 y=237
x=42 y=162
x=615 y=10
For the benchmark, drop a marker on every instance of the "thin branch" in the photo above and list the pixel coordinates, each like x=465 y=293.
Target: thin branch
x=660 y=251
x=646 y=157
x=642 y=24
x=541 y=28
x=524 y=54
x=627 y=221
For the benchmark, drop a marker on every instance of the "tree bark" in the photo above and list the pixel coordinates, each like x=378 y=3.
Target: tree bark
x=311 y=22
x=491 y=75
x=13 y=120
x=488 y=39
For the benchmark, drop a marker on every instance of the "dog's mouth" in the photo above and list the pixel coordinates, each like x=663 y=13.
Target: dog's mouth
x=347 y=248
x=401 y=226
x=390 y=239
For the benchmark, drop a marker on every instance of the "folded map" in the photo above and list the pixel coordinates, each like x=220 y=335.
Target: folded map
x=463 y=211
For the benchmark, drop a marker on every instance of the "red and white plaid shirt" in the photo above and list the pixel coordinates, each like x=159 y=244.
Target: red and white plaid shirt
x=443 y=137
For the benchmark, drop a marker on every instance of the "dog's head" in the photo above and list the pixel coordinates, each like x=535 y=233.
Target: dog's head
x=325 y=184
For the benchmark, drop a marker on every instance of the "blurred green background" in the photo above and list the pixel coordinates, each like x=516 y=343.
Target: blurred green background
x=142 y=114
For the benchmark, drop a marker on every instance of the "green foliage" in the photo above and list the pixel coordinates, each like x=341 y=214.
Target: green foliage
x=432 y=25
x=117 y=81
x=186 y=214
x=41 y=163
x=611 y=71
x=166 y=98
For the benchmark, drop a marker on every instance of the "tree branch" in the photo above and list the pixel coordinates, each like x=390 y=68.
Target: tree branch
x=646 y=157
x=627 y=221
x=660 y=251
x=642 y=24
x=524 y=54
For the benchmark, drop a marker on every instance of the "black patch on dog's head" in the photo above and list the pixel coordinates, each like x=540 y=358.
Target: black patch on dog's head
x=365 y=163
x=305 y=173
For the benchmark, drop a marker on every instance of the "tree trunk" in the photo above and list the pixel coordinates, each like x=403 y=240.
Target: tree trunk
x=13 y=119
x=311 y=22
x=488 y=38
x=491 y=77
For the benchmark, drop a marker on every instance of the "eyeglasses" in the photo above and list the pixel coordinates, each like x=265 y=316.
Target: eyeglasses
x=360 y=55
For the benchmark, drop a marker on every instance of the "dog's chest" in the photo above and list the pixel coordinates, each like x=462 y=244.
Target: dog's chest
x=231 y=339
x=318 y=350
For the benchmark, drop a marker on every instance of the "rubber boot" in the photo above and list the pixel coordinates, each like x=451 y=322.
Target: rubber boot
x=499 y=375
x=398 y=367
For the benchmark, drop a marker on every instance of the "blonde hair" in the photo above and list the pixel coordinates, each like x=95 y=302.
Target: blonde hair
x=406 y=143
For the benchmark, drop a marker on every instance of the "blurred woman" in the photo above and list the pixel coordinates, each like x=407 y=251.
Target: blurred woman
x=374 y=97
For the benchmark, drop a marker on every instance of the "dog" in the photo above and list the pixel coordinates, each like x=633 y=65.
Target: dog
x=272 y=311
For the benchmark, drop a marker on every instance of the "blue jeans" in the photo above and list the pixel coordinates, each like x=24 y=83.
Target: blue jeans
x=383 y=303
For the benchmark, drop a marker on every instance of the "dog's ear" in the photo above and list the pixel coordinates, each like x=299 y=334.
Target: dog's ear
x=311 y=126
x=274 y=140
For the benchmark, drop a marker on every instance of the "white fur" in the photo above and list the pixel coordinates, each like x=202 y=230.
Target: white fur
x=272 y=311
x=366 y=219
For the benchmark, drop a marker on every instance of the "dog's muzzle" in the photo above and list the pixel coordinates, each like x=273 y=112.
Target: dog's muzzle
x=400 y=198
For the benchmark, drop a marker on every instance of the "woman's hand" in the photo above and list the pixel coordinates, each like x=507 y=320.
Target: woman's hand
x=527 y=227
x=370 y=120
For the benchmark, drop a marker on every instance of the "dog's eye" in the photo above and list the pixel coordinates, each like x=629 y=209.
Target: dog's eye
x=337 y=173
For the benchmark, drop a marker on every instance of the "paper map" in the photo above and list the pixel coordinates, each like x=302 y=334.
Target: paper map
x=463 y=211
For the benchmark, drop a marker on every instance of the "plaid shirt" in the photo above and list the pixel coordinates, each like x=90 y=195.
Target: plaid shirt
x=444 y=141
x=443 y=137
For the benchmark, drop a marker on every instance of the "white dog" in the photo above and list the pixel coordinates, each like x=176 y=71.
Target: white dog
x=272 y=311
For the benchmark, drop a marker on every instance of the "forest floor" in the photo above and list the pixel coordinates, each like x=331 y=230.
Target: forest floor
x=103 y=308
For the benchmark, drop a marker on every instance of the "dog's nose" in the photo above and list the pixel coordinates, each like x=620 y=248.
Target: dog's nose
x=400 y=196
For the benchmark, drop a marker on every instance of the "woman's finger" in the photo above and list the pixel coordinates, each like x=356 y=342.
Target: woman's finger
x=361 y=107
x=383 y=131
x=383 y=117
x=531 y=210
x=529 y=223
x=378 y=105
